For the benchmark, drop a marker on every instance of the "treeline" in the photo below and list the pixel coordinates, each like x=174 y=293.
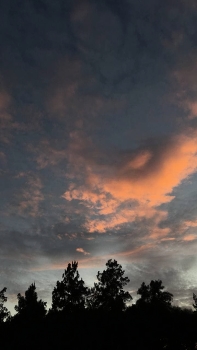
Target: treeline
x=98 y=317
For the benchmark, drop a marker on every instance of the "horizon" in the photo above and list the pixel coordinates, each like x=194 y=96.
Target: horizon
x=91 y=279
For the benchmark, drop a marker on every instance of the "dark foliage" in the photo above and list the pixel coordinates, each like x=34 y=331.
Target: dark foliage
x=4 y=313
x=108 y=293
x=153 y=294
x=100 y=319
x=195 y=301
x=29 y=308
x=69 y=294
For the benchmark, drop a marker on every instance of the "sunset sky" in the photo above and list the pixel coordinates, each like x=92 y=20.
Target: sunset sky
x=98 y=135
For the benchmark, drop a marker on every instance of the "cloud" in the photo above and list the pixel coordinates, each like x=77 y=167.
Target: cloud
x=190 y=237
x=6 y=121
x=46 y=155
x=191 y=223
x=192 y=106
x=184 y=77
x=4 y=103
x=81 y=250
x=31 y=196
x=113 y=80
x=141 y=179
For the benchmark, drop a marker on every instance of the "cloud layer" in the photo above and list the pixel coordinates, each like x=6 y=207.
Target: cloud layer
x=98 y=130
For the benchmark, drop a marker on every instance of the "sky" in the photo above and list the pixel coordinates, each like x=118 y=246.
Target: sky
x=98 y=142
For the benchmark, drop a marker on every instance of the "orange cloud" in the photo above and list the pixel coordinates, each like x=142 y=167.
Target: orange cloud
x=159 y=232
x=124 y=216
x=176 y=164
x=190 y=237
x=146 y=178
x=139 y=161
x=191 y=223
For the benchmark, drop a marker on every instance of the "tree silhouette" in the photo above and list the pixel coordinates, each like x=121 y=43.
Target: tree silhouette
x=108 y=293
x=155 y=324
x=4 y=313
x=195 y=301
x=29 y=307
x=153 y=293
x=70 y=293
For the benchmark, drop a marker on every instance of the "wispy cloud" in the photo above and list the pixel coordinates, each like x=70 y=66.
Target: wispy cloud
x=81 y=250
x=31 y=196
x=46 y=155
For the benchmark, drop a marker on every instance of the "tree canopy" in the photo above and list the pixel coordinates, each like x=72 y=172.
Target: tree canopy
x=70 y=293
x=29 y=307
x=108 y=294
x=154 y=322
x=153 y=293
x=195 y=301
x=4 y=313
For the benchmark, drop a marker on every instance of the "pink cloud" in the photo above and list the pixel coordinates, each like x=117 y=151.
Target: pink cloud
x=191 y=223
x=190 y=237
x=81 y=250
x=146 y=178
